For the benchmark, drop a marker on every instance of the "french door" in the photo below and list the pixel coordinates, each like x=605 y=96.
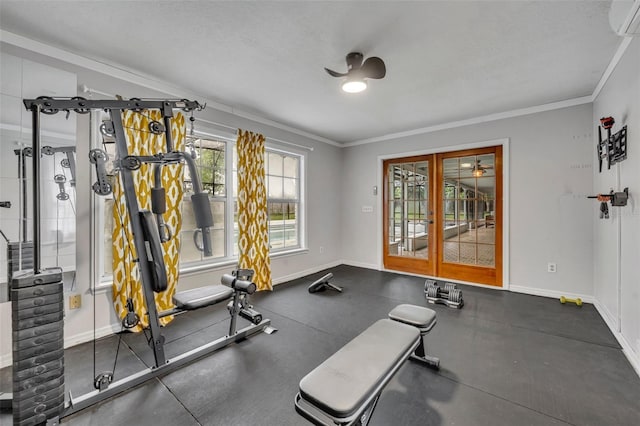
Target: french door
x=443 y=215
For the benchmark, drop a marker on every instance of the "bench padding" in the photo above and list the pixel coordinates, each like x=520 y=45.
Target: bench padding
x=201 y=297
x=417 y=316
x=343 y=383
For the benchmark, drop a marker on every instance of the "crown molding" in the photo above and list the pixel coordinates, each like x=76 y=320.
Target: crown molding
x=150 y=82
x=144 y=80
x=622 y=48
x=476 y=120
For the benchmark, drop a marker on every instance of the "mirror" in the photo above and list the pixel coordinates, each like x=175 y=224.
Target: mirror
x=22 y=79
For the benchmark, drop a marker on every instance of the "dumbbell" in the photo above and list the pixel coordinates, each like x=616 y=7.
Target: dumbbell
x=564 y=300
x=449 y=295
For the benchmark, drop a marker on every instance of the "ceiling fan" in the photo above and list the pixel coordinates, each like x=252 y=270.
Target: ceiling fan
x=358 y=71
x=477 y=169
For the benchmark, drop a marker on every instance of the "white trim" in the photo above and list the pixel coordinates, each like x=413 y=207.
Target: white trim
x=612 y=66
x=304 y=273
x=627 y=349
x=476 y=120
x=87 y=336
x=6 y=359
x=504 y=142
x=141 y=79
x=554 y=294
x=506 y=215
x=363 y=265
x=69 y=341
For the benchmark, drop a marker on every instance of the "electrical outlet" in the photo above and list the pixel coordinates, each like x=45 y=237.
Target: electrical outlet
x=552 y=267
x=75 y=301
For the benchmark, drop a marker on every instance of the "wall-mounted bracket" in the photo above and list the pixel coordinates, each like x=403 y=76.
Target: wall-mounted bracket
x=614 y=147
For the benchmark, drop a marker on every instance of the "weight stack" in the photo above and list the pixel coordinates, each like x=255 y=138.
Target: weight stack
x=14 y=259
x=37 y=304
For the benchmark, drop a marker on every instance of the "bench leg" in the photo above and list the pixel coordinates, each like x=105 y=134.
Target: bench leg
x=421 y=356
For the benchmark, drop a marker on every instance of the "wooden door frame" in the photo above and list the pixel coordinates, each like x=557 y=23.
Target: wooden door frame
x=411 y=264
x=504 y=143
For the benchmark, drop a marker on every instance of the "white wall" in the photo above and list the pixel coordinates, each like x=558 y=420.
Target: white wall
x=323 y=182
x=550 y=160
x=617 y=240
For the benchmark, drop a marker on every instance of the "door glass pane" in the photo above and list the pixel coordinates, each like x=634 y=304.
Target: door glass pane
x=468 y=201
x=408 y=185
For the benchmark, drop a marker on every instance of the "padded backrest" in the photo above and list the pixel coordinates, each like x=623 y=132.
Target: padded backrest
x=155 y=256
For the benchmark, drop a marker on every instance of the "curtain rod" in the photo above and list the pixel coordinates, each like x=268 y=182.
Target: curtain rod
x=86 y=89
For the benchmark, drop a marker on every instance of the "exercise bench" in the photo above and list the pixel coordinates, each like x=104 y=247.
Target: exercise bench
x=345 y=389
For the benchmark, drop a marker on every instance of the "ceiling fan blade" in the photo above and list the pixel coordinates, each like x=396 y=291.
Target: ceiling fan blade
x=373 y=67
x=334 y=73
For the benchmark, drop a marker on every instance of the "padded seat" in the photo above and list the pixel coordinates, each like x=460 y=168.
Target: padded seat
x=418 y=316
x=346 y=382
x=201 y=297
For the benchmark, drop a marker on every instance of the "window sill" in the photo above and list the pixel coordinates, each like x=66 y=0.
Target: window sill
x=105 y=286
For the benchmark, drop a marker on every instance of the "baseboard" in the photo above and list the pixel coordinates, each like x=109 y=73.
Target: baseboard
x=550 y=293
x=69 y=341
x=305 y=272
x=360 y=264
x=89 y=335
x=6 y=360
x=627 y=348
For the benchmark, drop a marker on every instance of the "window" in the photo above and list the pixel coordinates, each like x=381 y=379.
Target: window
x=216 y=163
x=282 y=175
x=211 y=165
x=283 y=200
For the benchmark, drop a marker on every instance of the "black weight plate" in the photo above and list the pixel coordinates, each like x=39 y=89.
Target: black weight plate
x=48 y=408
x=21 y=324
x=38 y=350
x=27 y=278
x=38 y=311
x=31 y=302
x=39 y=340
x=38 y=370
x=38 y=360
x=37 y=389
x=37 y=331
x=37 y=291
x=22 y=385
x=49 y=395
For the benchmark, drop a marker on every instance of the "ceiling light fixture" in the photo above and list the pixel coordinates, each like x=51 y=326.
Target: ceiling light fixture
x=477 y=172
x=354 y=85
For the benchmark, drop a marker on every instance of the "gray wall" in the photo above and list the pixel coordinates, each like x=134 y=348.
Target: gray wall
x=617 y=240
x=549 y=166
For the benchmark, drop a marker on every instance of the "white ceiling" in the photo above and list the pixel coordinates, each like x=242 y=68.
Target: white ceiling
x=446 y=60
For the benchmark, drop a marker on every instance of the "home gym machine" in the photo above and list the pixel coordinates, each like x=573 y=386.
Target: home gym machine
x=37 y=295
x=448 y=294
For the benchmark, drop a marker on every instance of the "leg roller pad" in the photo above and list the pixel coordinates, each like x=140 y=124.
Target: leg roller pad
x=424 y=319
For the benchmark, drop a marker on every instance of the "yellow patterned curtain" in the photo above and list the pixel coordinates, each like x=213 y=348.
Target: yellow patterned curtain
x=126 y=275
x=253 y=238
